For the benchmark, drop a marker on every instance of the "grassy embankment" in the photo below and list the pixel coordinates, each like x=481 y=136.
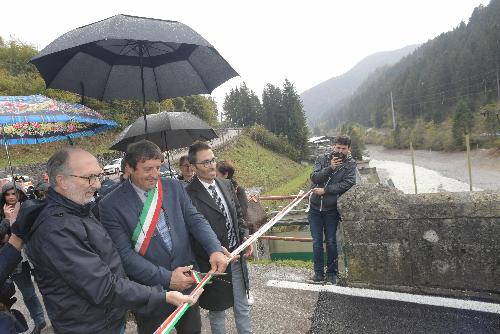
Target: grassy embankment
x=275 y=174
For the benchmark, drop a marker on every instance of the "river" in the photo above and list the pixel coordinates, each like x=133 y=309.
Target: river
x=437 y=171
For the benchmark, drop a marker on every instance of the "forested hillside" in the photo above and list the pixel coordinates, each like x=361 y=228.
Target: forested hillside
x=324 y=97
x=444 y=85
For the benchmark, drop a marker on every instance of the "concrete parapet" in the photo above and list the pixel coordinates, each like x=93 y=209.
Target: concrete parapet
x=429 y=241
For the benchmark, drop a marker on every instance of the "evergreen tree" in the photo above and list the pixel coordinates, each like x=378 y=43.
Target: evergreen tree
x=296 y=129
x=274 y=117
x=242 y=107
x=463 y=121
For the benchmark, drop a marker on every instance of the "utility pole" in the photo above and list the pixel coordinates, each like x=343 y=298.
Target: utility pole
x=498 y=85
x=392 y=108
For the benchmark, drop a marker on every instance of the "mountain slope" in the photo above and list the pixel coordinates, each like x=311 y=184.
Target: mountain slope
x=323 y=97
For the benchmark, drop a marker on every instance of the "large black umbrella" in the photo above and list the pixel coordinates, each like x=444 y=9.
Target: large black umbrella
x=135 y=58
x=168 y=130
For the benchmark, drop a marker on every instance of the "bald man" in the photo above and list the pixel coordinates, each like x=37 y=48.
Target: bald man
x=77 y=268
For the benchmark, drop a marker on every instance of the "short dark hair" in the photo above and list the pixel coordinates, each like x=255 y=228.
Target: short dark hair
x=141 y=151
x=343 y=140
x=182 y=159
x=226 y=166
x=195 y=148
x=58 y=164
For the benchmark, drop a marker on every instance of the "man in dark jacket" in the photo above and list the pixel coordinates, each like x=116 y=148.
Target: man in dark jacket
x=216 y=199
x=77 y=268
x=333 y=174
x=155 y=247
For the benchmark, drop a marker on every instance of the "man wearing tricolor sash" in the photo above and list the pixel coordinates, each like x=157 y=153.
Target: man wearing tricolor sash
x=151 y=221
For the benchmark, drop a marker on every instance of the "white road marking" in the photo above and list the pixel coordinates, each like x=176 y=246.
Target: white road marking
x=390 y=295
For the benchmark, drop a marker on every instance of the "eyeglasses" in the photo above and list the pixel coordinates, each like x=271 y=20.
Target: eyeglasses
x=207 y=163
x=91 y=178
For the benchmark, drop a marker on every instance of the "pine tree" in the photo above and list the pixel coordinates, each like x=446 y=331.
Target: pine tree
x=463 y=121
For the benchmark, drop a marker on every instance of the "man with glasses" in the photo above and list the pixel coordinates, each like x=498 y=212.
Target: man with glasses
x=216 y=199
x=77 y=267
x=151 y=221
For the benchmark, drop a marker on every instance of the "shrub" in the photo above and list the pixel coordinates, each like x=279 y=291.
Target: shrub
x=269 y=140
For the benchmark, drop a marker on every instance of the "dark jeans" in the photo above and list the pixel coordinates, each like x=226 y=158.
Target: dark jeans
x=190 y=323
x=324 y=222
x=25 y=285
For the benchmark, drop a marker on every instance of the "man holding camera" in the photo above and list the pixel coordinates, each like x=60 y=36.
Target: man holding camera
x=333 y=174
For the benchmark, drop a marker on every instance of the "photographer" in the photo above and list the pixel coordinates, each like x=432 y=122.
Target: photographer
x=333 y=174
x=11 y=321
x=11 y=200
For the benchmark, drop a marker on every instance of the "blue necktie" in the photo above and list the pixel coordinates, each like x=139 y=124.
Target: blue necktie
x=163 y=229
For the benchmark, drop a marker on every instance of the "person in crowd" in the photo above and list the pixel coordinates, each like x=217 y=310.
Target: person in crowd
x=225 y=170
x=216 y=200
x=12 y=198
x=186 y=169
x=333 y=174
x=155 y=249
x=77 y=267
x=11 y=321
x=41 y=190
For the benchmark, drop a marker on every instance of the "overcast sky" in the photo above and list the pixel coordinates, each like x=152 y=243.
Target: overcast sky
x=265 y=41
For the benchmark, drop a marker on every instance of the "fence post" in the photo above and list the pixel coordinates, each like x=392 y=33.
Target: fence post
x=467 y=143
x=413 y=166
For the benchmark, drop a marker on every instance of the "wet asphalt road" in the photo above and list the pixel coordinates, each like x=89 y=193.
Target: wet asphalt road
x=347 y=314
x=289 y=311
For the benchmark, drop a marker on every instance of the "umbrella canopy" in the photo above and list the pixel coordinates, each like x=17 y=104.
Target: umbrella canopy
x=38 y=119
x=168 y=130
x=128 y=57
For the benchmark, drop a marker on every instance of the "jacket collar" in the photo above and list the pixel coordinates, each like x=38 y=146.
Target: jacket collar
x=54 y=199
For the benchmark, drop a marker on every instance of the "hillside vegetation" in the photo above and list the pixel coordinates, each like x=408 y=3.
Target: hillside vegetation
x=259 y=167
x=445 y=89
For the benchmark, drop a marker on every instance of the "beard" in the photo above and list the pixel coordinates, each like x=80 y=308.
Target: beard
x=81 y=197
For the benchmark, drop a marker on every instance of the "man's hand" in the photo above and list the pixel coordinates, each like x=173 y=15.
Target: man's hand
x=176 y=298
x=334 y=163
x=318 y=191
x=249 y=250
x=181 y=280
x=218 y=261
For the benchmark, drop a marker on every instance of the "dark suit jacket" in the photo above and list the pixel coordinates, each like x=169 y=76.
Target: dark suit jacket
x=119 y=213
x=218 y=295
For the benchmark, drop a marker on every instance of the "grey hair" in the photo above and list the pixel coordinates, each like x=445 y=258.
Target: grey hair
x=58 y=164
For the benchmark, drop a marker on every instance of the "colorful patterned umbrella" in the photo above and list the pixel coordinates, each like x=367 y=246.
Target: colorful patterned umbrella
x=38 y=119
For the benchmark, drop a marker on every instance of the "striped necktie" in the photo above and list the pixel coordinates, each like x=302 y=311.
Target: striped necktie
x=231 y=236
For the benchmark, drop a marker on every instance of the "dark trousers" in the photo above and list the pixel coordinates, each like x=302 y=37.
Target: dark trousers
x=25 y=285
x=190 y=323
x=324 y=222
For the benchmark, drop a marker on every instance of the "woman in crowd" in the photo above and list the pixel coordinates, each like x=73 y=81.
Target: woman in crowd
x=225 y=169
x=187 y=171
x=10 y=202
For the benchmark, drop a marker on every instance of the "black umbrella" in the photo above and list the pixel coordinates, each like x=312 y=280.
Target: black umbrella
x=136 y=58
x=168 y=130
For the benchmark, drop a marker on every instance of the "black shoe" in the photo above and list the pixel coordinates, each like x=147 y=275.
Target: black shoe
x=331 y=279
x=316 y=279
x=38 y=328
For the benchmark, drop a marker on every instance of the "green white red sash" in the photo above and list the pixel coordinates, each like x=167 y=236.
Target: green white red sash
x=148 y=219
x=168 y=325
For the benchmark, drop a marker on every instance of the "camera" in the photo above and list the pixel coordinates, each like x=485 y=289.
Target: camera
x=338 y=155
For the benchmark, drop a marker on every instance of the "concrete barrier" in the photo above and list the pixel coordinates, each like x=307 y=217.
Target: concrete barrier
x=431 y=242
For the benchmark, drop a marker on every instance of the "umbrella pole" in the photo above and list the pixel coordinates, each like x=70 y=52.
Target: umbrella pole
x=8 y=156
x=164 y=135
x=143 y=92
